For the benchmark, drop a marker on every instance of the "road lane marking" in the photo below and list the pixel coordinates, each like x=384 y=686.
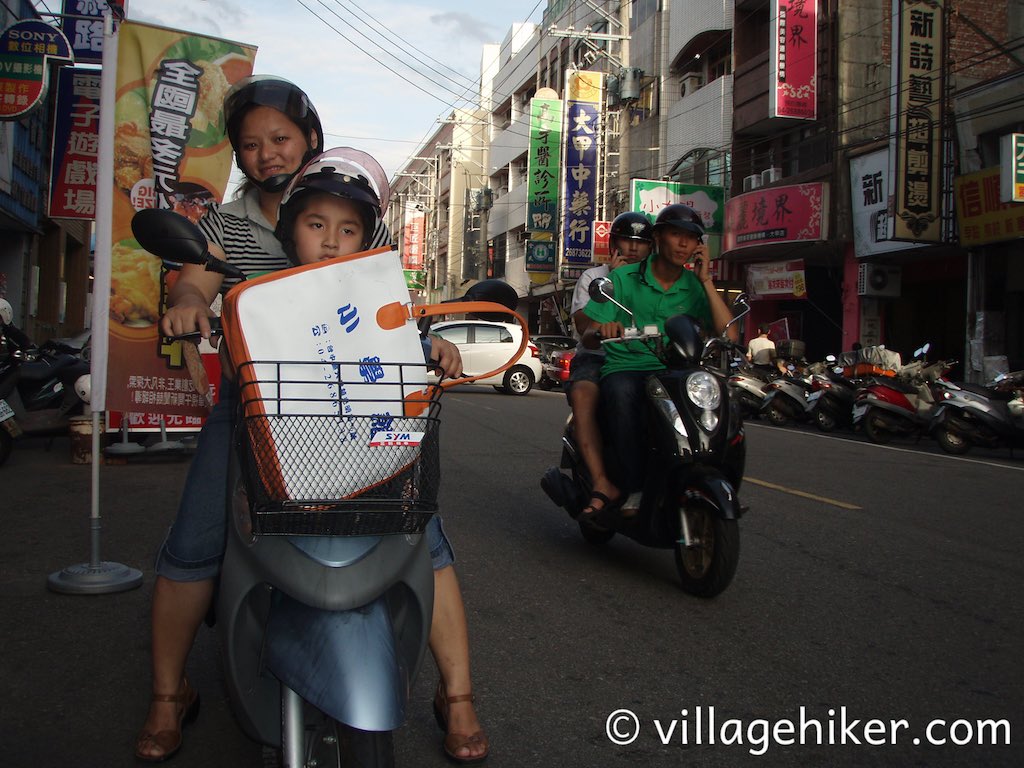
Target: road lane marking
x=802 y=494
x=851 y=438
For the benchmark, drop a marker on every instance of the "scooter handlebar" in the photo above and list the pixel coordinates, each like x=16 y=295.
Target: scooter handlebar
x=649 y=332
x=196 y=336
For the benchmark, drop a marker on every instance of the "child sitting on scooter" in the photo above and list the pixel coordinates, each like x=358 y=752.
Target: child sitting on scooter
x=331 y=209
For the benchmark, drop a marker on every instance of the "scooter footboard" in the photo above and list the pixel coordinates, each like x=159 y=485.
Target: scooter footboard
x=360 y=676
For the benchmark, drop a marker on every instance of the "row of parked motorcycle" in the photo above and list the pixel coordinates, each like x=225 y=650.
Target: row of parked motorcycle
x=41 y=386
x=871 y=391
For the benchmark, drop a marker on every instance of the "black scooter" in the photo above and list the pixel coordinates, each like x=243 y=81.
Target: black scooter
x=696 y=457
x=39 y=388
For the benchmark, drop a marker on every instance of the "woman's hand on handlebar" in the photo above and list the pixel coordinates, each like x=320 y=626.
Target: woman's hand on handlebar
x=187 y=317
x=448 y=357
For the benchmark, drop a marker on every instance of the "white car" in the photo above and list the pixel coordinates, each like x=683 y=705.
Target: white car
x=485 y=346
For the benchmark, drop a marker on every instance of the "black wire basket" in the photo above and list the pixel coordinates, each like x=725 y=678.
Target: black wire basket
x=337 y=448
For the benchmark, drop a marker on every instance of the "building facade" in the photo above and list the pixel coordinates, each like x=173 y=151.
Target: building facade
x=860 y=146
x=44 y=263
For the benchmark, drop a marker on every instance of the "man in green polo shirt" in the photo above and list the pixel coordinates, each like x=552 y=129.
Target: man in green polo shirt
x=655 y=289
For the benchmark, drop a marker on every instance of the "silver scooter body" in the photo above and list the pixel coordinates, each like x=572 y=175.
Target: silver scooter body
x=343 y=622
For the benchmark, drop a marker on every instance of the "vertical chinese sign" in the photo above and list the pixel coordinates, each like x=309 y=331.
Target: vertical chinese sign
x=170 y=151
x=584 y=97
x=76 y=136
x=919 y=55
x=82 y=24
x=542 y=168
x=793 y=67
x=413 y=234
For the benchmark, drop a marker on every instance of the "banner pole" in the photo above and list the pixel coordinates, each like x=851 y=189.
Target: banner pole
x=98 y=577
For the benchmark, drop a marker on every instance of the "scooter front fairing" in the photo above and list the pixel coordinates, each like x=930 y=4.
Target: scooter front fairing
x=342 y=621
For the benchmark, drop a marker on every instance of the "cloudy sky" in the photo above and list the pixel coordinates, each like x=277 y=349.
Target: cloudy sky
x=380 y=73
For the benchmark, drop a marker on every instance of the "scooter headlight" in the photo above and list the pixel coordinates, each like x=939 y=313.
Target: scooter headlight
x=704 y=391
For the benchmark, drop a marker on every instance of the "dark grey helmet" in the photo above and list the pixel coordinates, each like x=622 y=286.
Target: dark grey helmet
x=282 y=95
x=681 y=217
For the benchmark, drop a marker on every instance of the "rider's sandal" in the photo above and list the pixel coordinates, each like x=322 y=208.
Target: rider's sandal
x=169 y=741
x=453 y=742
x=593 y=516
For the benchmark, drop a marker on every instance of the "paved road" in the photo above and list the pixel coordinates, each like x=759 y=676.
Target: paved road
x=876 y=579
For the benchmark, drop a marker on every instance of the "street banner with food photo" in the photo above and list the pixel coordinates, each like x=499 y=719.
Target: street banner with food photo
x=170 y=151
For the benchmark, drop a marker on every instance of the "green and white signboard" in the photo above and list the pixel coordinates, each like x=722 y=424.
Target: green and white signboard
x=651 y=195
x=543 y=165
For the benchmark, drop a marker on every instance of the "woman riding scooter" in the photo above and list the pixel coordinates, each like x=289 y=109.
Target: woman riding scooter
x=274 y=130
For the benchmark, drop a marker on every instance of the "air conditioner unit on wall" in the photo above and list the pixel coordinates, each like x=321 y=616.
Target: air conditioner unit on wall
x=770 y=176
x=691 y=83
x=523 y=237
x=751 y=182
x=878 y=280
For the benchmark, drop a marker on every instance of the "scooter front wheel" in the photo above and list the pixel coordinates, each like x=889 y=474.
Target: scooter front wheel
x=874 y=427
x=707 y=567
x=331 y=744
x=951 y=442
x=366 y=749
x=825 y=421
x=777 y=416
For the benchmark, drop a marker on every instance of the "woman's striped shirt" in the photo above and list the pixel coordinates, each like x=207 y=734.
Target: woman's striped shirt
x=244 y=234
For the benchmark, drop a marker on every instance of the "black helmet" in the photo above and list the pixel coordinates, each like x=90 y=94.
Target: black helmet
x=344 y=172
x=632 y=225
x=282 y=95
x=681 y=217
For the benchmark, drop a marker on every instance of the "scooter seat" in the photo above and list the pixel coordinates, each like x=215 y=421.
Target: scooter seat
x=44 y=367
x=900 y=386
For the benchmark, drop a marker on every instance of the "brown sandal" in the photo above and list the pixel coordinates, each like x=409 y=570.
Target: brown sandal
x=169 y=740
x=453 y=742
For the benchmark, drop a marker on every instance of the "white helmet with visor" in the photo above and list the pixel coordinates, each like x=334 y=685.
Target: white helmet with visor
x=344 y=172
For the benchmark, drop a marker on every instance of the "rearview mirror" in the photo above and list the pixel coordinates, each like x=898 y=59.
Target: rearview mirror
x=170 y=236
x=177 y=241
x=601 y=289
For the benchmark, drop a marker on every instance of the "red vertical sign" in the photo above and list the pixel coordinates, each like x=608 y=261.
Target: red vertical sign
x=793 y=68
x=412 y=238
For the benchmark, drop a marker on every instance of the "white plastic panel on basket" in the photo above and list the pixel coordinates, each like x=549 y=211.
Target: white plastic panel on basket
x=322 y=321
